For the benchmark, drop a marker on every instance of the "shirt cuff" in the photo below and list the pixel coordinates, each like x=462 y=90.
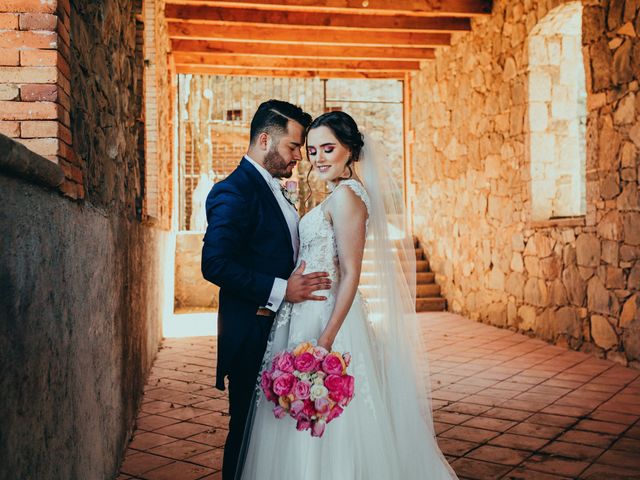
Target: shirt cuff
x=278 y=291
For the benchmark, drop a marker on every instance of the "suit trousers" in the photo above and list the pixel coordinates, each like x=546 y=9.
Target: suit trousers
x=243 y=376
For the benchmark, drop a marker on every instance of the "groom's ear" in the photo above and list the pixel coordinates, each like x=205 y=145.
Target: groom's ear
x=264 y=141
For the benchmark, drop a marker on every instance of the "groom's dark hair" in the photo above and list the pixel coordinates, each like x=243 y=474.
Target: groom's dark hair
x=273 y=116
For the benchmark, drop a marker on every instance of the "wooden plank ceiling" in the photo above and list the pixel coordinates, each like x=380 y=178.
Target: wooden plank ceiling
x=305 y=38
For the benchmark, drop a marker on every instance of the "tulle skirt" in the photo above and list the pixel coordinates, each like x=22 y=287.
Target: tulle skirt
x=367 y=442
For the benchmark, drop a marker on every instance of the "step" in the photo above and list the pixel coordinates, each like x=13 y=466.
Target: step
x=422 y=278
x=416 y=243
x=426 y=304
x=367 y=290
x=435 y=304
x=425 y=277
x=428 y=290
x=422 y=266
x=419 y=254
x=422 y=291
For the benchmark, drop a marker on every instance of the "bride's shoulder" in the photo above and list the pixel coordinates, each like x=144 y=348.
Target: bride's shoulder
x=355 y=187
x=350 y=194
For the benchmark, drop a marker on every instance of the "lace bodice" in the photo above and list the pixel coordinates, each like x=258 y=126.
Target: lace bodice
x=317 y=237
x=302 y=322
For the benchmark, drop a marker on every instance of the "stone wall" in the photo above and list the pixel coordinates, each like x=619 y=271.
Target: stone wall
x=107 y=69
x=557 y=114
x=80 y=310
x=83 y=281
x=572 y=281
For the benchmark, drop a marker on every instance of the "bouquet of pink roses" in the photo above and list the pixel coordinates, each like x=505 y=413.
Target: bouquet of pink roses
x=310 y=384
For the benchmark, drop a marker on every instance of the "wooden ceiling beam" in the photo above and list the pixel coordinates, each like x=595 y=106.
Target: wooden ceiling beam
x=244 y=61
x=302 y=51
x=430 y=8
x=303 y=35
x=251 y=72
x=317 y=20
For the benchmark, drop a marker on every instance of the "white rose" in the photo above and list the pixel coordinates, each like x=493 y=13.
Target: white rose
x=318 y=391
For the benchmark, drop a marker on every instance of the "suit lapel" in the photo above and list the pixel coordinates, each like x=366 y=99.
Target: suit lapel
x=267 y=194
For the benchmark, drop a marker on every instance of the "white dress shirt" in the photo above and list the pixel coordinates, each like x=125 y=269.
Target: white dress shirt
x=279 y=288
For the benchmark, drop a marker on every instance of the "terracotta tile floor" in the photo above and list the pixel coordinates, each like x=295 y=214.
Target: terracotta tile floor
x=505 y=407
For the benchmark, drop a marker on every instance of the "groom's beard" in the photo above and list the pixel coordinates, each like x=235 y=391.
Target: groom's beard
x=276 y=165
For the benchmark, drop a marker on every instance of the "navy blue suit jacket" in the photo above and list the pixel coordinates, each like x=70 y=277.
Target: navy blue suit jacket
x=246 y=246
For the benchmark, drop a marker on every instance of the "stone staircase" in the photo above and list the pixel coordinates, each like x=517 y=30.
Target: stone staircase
x=428 y=297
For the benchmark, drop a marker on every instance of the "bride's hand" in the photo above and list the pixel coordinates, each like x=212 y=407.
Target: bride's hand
x=324 y=342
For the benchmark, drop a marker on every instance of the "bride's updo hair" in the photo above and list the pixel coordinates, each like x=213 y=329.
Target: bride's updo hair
x=345 y=129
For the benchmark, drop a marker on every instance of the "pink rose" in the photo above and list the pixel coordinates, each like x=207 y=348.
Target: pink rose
x=335 y=412
x=304 y=422
x=266 y=384
x=318 y=428
x=296 y=408
x=265 y=381
x=309 y=409
x=283 y=385
x=334 y=383
x=305 y=362
x=322 y=406
x=337 y=397
x=320 y=352
x=276 y=373
x=302 y=390
x=279 y=412
x=347 y=390
x=333 y=364
x=348 y=383
x=347 y=358
x=284 y=361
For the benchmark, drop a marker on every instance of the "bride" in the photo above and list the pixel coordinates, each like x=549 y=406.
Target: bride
x=386 y=432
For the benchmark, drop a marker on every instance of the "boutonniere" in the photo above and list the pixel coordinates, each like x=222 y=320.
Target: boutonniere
x=288 y=195
x=289 y=192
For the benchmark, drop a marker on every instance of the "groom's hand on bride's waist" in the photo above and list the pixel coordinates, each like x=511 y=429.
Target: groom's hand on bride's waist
x=300 y=287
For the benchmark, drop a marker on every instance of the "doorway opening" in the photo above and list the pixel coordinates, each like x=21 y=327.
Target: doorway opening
x=213 y=118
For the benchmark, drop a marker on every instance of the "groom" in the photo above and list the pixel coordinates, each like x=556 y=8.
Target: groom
x=250 y=249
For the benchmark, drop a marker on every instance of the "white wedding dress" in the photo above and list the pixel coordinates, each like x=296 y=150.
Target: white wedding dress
x=365 y=442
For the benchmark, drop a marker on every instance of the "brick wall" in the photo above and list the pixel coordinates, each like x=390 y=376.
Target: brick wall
x=37 y=94
x=35 y=82
x=158 y=114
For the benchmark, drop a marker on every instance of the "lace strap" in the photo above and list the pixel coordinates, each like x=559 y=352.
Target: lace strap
x=359 y=190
